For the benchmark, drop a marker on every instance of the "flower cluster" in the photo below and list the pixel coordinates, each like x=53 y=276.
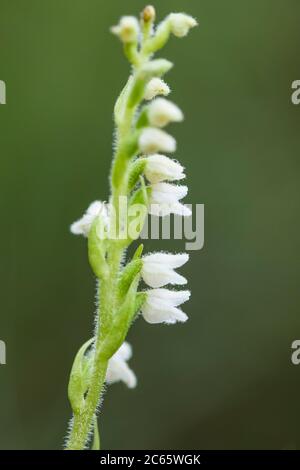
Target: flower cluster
x=144 y=175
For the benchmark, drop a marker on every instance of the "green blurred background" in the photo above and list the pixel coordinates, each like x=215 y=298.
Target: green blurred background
x=224 y=379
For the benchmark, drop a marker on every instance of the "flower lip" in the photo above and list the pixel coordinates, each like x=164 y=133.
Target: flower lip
x=118 y=369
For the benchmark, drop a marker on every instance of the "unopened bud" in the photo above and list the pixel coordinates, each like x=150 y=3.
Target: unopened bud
x=127 y=29
x=148 y=14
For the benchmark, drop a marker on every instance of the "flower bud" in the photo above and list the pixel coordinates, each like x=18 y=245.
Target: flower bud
x=181 y=24
x=161 y=112
x=148 y=14
x=156 y=87
x=161 y=168
x=127 y=30
x=155 y=140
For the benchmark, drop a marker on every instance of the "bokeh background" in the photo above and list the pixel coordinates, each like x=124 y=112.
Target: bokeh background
x=224 y=379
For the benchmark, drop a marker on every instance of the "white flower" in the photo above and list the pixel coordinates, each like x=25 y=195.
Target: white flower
x=156 y=87
x=181 y=24
x=155 y=140
x=83 y=225
x=165 y=199
x=161 y=306
x=118 y=368
x=159 y=269
x=161 y=168
x=161 y=112
x=127 y=30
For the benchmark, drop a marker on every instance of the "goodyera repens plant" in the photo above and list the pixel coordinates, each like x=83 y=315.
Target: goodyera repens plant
x=140 y=184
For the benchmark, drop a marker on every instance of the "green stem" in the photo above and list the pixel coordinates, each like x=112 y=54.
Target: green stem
x=96 y=439
x=82 y=422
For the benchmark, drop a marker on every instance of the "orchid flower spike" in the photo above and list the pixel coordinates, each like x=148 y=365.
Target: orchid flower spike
x=161 y=306
x=118 y=369
x=83 y=225
x=140 y=179
x=159 y=269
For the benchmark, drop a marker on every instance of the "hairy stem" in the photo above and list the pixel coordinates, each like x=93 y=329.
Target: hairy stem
x=107 y=304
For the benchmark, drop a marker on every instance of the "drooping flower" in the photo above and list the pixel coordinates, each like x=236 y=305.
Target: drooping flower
x=156 y=87
x=161 y=168
x=181 y=24
x=127 y=30
x=159 y=269
x=83 y=225
x=161 y=306
x=164 y=200
x=161 y=112
x=118 y=369
x=155 y=140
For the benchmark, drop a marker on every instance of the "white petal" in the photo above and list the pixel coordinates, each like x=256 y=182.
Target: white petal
x=119 y=371
x=180 y=209
x=159 y=168
x=167 y=193
x=83 y=225
x=127 y=30
x=168 y=315
x=155 y=140
x=155 y=87
x=170 y=297
x=95 y=208
x=172 y=260
x=125 y=351
x=162 y=111
x=181 y=24
x=156 y=275
x=118 y=368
